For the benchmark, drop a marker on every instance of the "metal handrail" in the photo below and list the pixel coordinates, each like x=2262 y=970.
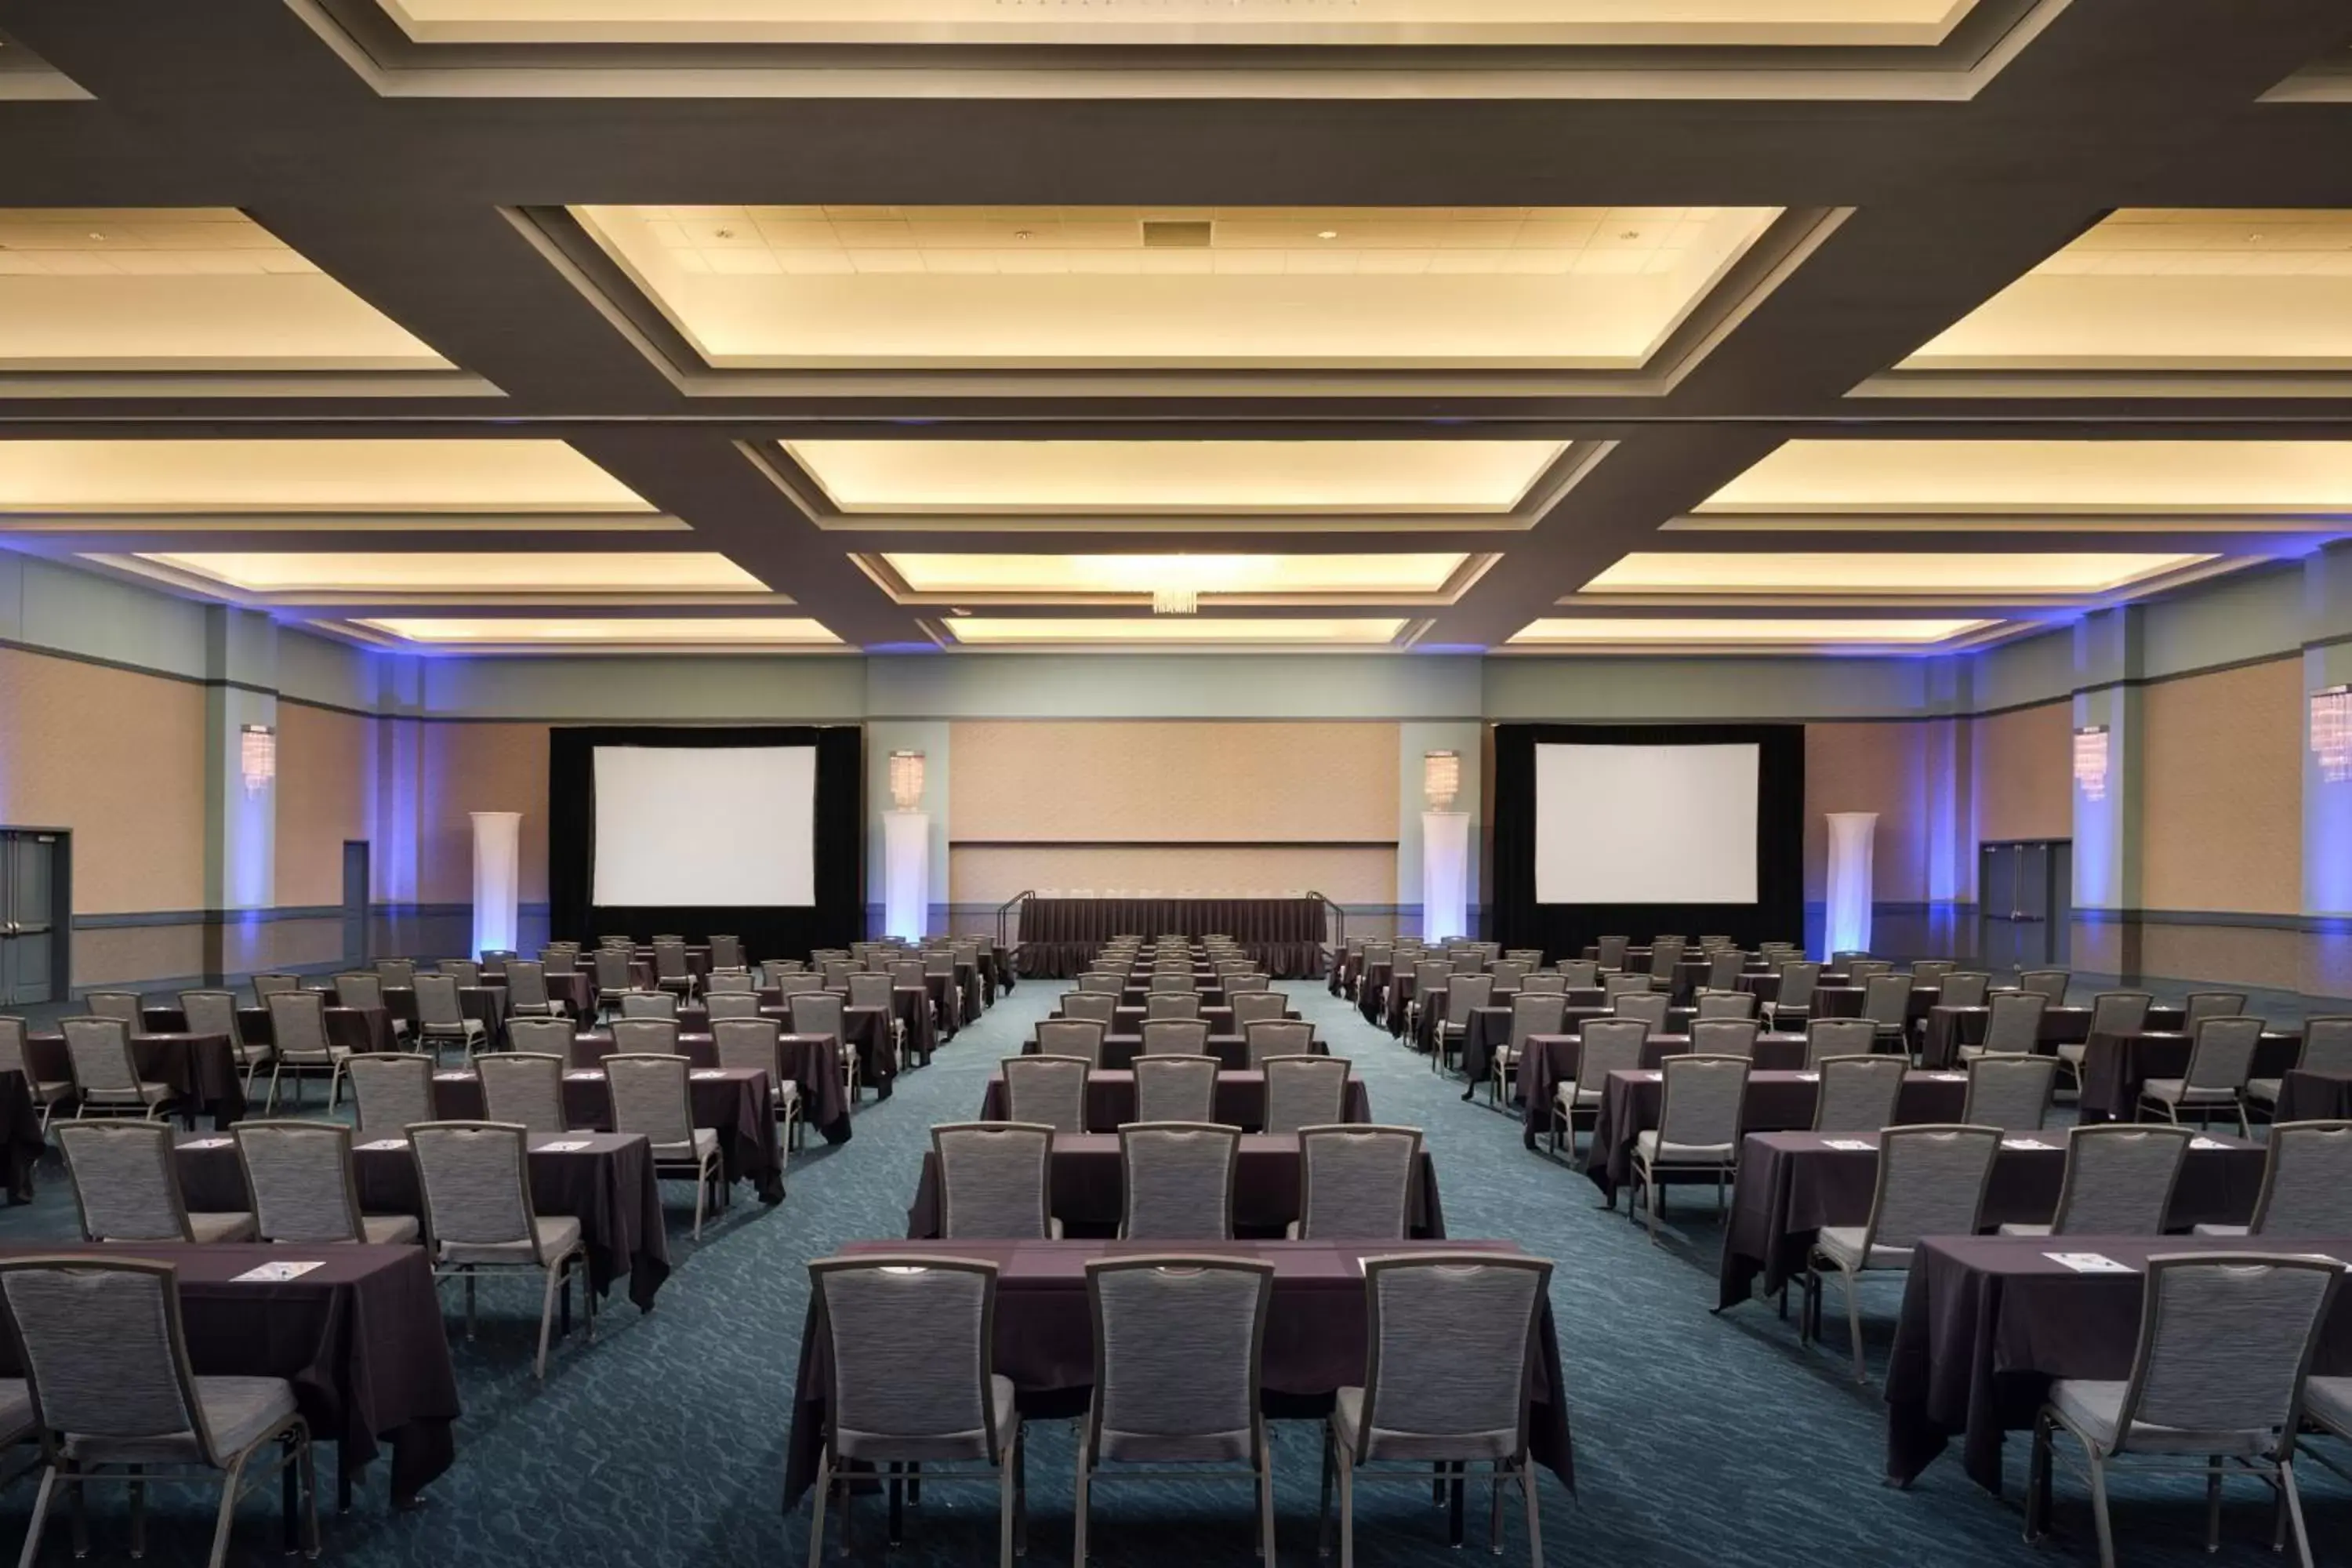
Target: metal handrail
x=1006 y=940
x=1335 y=923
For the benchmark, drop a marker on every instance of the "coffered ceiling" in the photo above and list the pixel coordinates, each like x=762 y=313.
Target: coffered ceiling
x=1795 y=327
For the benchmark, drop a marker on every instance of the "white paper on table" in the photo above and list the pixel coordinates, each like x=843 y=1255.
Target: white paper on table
x=386 y=1143
x=564 y=1146
x=581 y=1075
x=707 y=1073
x=2090 y=1263
x=2028 y=1144
x=1944 y=1076
x=1650 y=1076
x=275 y=1273
x=1852 y=1144
x=2207 y=1143
x=1808 y=1078
x=454 y=1077
x=207 y=1142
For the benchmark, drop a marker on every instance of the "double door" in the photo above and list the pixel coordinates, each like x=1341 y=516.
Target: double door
x=2025 y=897
x=32 y=925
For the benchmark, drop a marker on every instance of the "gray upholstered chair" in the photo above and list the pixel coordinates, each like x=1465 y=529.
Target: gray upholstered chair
x=994 y=1181
x=123 y=1005
x=1071 y=1037
x=1724 y=1037
x=1423 y=1406
x=717 y=1004
x=549 y=1036
x=822 y=1013
x=126 y=1183
x=1465 y=994
x=1860 y=971
x=1931 y=1182
x=476 y=1182
x=1552 y=983
x=1698 y=1128
x=265 y=987
x=46 y=1092
x=440 y=1015
x=1578 y=974
x=2326 y=1049
x=363 y=988
x=1966 y=988
x=1930 y=972
x=2203 y=1005
x=2012 y=1025
x=106 y=1070
x=2328 y=1406
x=1886 y=1003
x=2216 y=1387
x=117 y=1399
x=1430 y=976
x=1509 y=973
x=648 y=1004
x=2220 y=1060
x=645 y=1037
x=1612 y=987
x=1100 y=1007
x=1267 y=1037
x=1724 y=1004
x=2306 y=1183
x=524 y=1089
x=1603 y=1045
x=395 y=973
x=1839 y=1037
x=1178 y=1348
x=752 y=1043
x=1176 y=1088
x=790 y=983
x=392 y=1089
x=1177 y=981
x=1304 y=1092
x=1795 y=998
x=297 y=1027
x=1609 y=952
x=464 y=971
x=651 y=1094
x=1177 y=1181
x=1649 y=1007
x=1175 y=1037
x=671 y=969
x=1102 y=981
x=2112 y=1013
x=1858 y=1093
x=304 y=1189
x=214 y=1012
x=913 y=1385
x=613 y=974
x=1532 y=1013
x=1172 y=1005
x=1723 y=968
x=2010 y=1092
x=1046 y=1092
x=1355 y=1183
x=556 y=958
x=2119 y=1180
x=527 y=994
x=726 y=951
x=868 y=988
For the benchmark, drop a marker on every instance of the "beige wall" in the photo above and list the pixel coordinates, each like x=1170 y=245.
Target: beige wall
x=1870 y=767
x=323 y=762
x=2025 y=777
x=990 y=875
x=479 y=768
x=2221 y=810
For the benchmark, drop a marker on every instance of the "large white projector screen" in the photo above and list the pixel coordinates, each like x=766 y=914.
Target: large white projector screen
x=1645 y=824
x=679 y=827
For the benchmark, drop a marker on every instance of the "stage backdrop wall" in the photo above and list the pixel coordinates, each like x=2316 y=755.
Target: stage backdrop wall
x=1564 y=929
x=837 y=919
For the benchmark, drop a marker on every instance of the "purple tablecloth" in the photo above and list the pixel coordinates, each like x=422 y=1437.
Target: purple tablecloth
x=1551 y=1060
x=201 y=1068
x=2315 y=1097
x=1241 y=1100
x=2117 y=1067
x=740 y=1106
x=1232 y=1051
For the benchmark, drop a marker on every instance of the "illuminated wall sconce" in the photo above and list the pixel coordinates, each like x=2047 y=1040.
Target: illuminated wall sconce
x=2091 y=762
x=256 y=757
x=1441 y=779
x=2331 y=732
x=907 y=780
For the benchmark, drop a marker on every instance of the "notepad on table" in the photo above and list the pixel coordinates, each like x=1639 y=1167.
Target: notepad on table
x=564 y=1146
x=1808 y=1078
x=208 y=1143
x=2207 y=1143
x=581 y=1075
x=386 y=1143
x=707 y=1073
x=451 y=1077
x=1848 y=1143
x=2089 y=1262
x=2027 y=1144
x=275 y=1273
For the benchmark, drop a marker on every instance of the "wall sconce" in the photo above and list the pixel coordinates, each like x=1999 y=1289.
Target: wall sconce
x=256 y=757
x=2091 y=762
x=907 y=780
x=1441 y=779
x=2331 y=732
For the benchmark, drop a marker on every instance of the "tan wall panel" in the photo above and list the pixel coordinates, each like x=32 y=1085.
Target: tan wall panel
x=2236 y=954
x=1166 y=781
x=118 y=758
x=323 y=764
x=480 y=767
x=2025 y=781
x=1869 y=767
x=991 y=875
x=134 y=955
x=2221 y=814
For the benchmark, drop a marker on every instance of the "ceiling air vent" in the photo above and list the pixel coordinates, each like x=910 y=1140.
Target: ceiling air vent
x=1176 y=234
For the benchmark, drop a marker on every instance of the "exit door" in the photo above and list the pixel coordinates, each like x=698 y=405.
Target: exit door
x=32 y=920
x=2025 y=903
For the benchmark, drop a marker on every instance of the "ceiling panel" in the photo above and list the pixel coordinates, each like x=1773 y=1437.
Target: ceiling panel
x=479 y=634
x=1170 y=631
x=1289 y=579
x=1749 y=632
x=328 y=475
x=2047 y=479
x=552 y=572
x=2053 y=575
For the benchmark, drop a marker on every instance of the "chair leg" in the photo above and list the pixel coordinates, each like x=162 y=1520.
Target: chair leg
x=137 y=1511
x=2294 y=1496
x=41 y=1500
x=1004 y=1509
x=1494 y=1510
x=1852 y=1281
x=2037 y=1483
x=227 y=1513
x=546 y=1319
x=1323 y=1499
x=2099 y=1509
x=701 y=1192
x=816 y=1507
x=1265 y=1501
x=2214 y=1502
x=1535 y=1512
x=1346 y=1511
x=306 y=1455
x=1078 y=1527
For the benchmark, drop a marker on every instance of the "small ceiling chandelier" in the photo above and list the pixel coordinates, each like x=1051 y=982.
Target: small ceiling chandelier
x=1176 y=601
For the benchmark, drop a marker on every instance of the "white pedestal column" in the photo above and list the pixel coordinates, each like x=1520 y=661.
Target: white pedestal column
x=906 y=874
x=1845 y=918
x=1445 y=875
x=498 y=880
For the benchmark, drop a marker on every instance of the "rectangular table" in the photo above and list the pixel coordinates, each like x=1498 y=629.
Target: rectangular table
x=1792 y=1183
x=812 y=1061
x=1088 y=1188
x=202 y=1070
x=1551 y=1060
x=1232 y=1051
x=1241 y=1100
x=738 y=1103
x=1947 y=1029
x=2116 y=1068
x=1989 y=1323
x=2315 y=1097
x=1315 y=1339
x=354 y=1028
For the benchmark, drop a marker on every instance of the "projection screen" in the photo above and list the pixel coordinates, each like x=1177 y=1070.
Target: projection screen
x=1645 y=824
x=717 y=826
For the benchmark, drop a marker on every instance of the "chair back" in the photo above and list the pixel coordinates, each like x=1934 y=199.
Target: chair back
x=1071 y=1037
x=2010 y=1092
x=2221 y=1053
x=1724 y=1037
x=913 y=1343
x=1257 y=1006
x=1172 y=980
x=1535 y=1013
x=1178 y=1346
x=993 y=1180
x=104 y=1352
x=646 y=1037
x=1172 y=1005
x=98 y=1050
x=397 y=974
x=1304 y=1092
x=1723 y=968
x=817 y=1012
x=1665 y=956
x=523 y=1089
x=1613 y=986
x=869 y=989
x=651 y=1094
x=552 y=1037
x=1278 y=1038
x=726 y=951
x=125 y=1180
x=118 y=1004
x=357 y=988
x=2204 y=1005
x=1466 y=992
x=526 y=984
x=554 y=960
x=1508 y=972
x=1886 y=1000
x=1700 y=1101
x=2119 y=1179
x=1609 y=952
x=12 y=1046
x=1548 y=985
x=1931 y=1182
x=476 y=1181
x=1607 y=1046
x=2013 y=1022
x=2327 y=1045
x=612 y=970
x=1797 y=984
x=267 y=986
x=1862 y=971
x=739 y=1005
x=1965 y=988
x=1175 y=1037
x=747 y=1044
x=909 y=973
x=1355 y=1183
x=300 y=1174
x=394 y=1091
x=1422 y=1402
x=2225 y=1343
x=669 y=961
x=1578 y=974
x=2120 y=1011
x=1046 y=1092
x=1930 y=972
x=1858 y=1093
x=297 y=1026
x=2307 y=1181
x=211 y=1013
x=648 y=1004
x=1726 y=1004
x=1176 y=1088
x=1431 y=974
x=1097 y=1005
x=437 y=1001
x=1093 y=980
x=1177 y=1181
x=1649 y=1007
x=1838 y=1037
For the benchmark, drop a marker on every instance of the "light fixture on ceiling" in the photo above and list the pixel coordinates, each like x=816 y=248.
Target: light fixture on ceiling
x=1176 y=601
x=1327 y=234
x=2331 y=732
x=1441 y=779
x=256 y=757
x=907 y=780
x=2091 y=760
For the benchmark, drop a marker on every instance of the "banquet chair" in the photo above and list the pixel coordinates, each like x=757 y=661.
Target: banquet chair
x=267 y=986
x=1648 y=1007
x=1612 y=987
x=556 y=958
x=1858 y=1093
x=872 y=988
x=614 y=938
x=1172 y=1005
x=106 y=1071
x=994 y=1181
x=2012 y=1027
x=391 y=1090
x=304 y=1188
x=1278 y=1038
x=440 y=1015
x=726 y=951
x=1724 y=1037
x=614 y=974
x=464 y=971
x=1550 y=984
x=2112 y=1013
x=118 y=1399
x=790 y=983
x=395 y=973
x=1304 y=1092
x=2220 y=1060
x=1355 y=1183
x=523 y=1089
x=1603 y=1045
x=671 y=969
x=1532 y=1013
x=835 y=973
x=1175 y=1037
x=1713 y=1003
x=360 y=988
x=1099 y=980
x=729 y=982
x=552 y=1036
x=1257 y=1006
x=1428 y=1409
x=2328 y=1406
x=495 y=959
x=1860 y=971
x=2119 y=1182
x=126 y=1185
x=1887 y=1004
x=756 y=1044
x=651 y=1094
x=2050 y=983
x=1965 y=988
x=1465 y=994
x=1838 y=1037
x=912 y=1386
x=648 y=1004
x=1176 y=1180
x=46 y=1092
x=2200 y=1006
x=527 y=994
x=2306 y=1183
x=1176 y=1088
x=1046 y=1092
x=2207 y=1402
x=1930 y=972
x=645 y=1037
x=1609 y=952
x=1508 y=973
x=214 y=1012
x=1178 y=980
x=1071 y=1037
x=119 y=1004
x=1931 y=1182
x=1698 y=1128
x=2326 y=1049
x=2010 y=1092
x=1246 y=980
x=1578 y=974
x=297 y=1028
x=736 y=1005
x=476 y=1182
x=820 y=1013
x=1795 y=997
x=1197 y=1409
x=1430 y=976
x=1097 y=1005
x=1723 y=968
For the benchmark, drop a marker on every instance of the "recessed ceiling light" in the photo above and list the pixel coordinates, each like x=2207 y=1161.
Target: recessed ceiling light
x=1022 y=234
x=722 y=234
x=95 y=235
x=1328 y=234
